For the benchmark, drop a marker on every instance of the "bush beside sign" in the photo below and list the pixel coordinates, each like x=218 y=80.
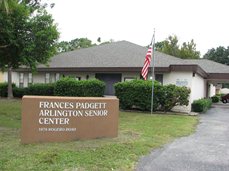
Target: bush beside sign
x=58 y=119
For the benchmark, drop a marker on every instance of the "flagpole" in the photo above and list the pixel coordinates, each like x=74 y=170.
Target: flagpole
x=152 y=70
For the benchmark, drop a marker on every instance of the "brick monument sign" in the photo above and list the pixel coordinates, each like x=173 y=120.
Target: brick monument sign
x=58 y=119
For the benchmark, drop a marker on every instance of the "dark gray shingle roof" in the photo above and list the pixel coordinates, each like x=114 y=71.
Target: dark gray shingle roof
x=118 y=54
x=124 y=54
x=209 y=66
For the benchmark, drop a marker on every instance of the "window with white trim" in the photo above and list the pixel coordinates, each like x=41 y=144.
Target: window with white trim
x=159 y=78
x=30 y=79
x=21 y=80
x=57 y=77
x=47 y=77
x=129 y=78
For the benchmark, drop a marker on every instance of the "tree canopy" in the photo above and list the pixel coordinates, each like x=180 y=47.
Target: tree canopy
x=65 y=46
x=28 y=36
x=219 y=54
x=78 y=43
x=171 y=46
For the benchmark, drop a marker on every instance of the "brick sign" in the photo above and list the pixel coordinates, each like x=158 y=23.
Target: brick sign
x=58 y=119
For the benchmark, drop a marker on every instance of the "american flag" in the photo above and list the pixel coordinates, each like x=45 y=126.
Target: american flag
x=146 y=65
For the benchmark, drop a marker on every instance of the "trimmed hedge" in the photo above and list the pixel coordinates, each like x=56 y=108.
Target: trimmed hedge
x=19 y=92
x=201 y=105
x=137 y=94
x=86 y=88
x=64 y=87
x=40 y=89
x=215 y=99
x=4 y=89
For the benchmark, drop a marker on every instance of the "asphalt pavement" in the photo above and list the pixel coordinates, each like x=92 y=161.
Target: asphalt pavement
x=205 y=150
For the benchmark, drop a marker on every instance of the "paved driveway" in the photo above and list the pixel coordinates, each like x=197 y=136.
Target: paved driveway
x=205 y=150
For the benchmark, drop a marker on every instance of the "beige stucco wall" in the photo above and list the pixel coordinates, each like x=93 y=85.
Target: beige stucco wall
x=196 y=83
x=130 y=75
x=179 y=79
x=198 y=88
x=211 y=90
x=15 y=77
x=40 y=77
x=224 y=91
x=1 y=77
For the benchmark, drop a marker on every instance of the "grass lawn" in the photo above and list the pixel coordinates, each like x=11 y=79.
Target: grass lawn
x=139 y=133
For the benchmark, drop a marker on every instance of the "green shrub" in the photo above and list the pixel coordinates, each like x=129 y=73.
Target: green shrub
x=92 y=88
x=19 y=92
x=4 y=89
x=201 y=105
x=215 y=99
x=87 y=88
x=137 y=93
x=40 y=89
x=173 y=96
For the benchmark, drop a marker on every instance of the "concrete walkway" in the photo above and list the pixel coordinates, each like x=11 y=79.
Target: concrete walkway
x=205 y=150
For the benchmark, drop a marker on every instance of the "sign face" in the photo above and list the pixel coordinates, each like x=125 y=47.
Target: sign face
x=182 y=82
x=58 y=119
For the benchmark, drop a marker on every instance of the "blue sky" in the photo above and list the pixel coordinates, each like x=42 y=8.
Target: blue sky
x=134 y=20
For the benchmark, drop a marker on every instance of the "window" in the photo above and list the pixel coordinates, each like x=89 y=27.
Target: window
x=128 y=78
x=57 y=77
x=21 y=80
x=159 y=78
x=30 y=79
x=47 y=77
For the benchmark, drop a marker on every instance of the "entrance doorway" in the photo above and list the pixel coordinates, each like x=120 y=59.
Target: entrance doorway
x=109 y=80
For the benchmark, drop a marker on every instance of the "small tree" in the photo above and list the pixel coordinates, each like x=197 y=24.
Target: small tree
x=171 y=46
x=74 y=44
x=220 y=54
x=28 y=37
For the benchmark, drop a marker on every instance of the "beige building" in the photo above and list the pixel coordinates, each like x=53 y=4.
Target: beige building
x=123 y=61
x=1 y=77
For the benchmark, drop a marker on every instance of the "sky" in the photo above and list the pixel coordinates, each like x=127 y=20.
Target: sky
x=205 y=21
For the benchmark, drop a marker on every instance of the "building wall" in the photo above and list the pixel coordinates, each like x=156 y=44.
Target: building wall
x=15 y=77
x=224 y=91
x=211 y=90
x=40 y=77
x=1 y=77
x=196 y=83
x=198 y=88
x=130 y=75
x=179 y=79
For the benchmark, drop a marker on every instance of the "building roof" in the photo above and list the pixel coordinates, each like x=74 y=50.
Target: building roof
x=117 y=54
x=126 y=56
x=209 y=66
